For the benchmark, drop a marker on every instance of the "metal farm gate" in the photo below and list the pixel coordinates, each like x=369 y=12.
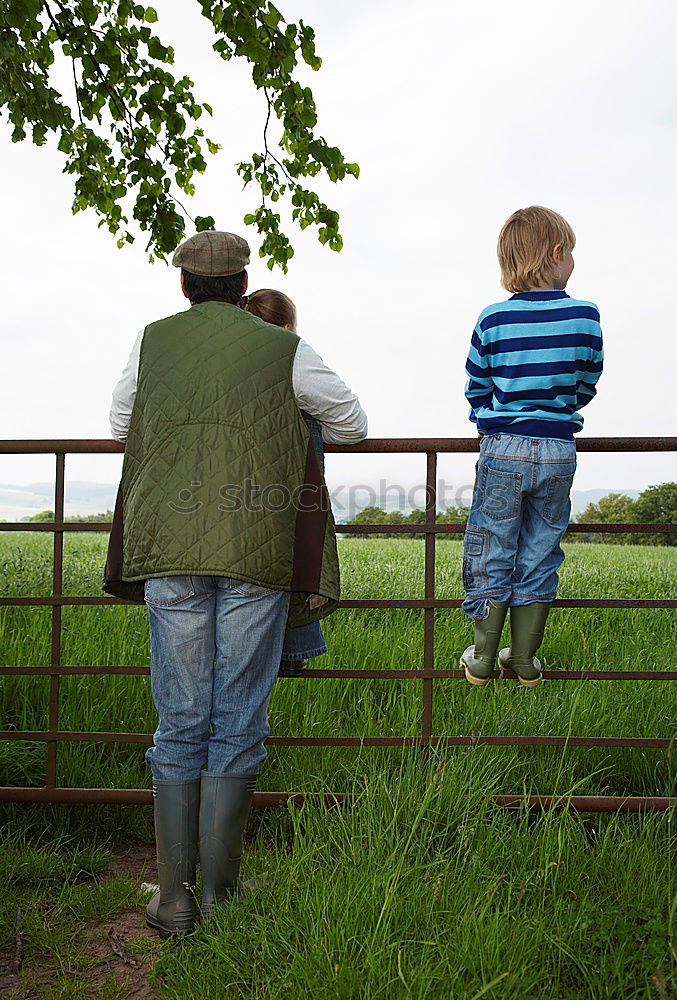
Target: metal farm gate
x=426 y=673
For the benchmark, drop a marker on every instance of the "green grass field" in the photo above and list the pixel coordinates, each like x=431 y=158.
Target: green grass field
x=422 y=888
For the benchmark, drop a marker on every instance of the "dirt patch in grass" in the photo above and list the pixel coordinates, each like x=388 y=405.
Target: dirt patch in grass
x=115 y=960
x=138 y=862
x=112 y=958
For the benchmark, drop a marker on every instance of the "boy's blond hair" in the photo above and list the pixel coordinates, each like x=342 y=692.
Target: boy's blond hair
x=525 y=244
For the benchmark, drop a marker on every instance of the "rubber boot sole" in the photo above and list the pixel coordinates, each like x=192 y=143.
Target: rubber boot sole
x=475 y=681
x=530 y=684
x=503 y=665
x=188 y=918
x=163 y=933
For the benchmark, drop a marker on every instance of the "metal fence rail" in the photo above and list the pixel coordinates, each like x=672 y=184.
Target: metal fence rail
x=426 y=674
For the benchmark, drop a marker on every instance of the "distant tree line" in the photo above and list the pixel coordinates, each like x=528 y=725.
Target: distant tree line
x=655 y=505
x=48 y=515
x=376 y=515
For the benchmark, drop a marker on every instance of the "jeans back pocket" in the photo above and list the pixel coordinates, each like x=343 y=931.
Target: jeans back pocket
x=500 y=493
x=557 y=502
x=251 y=589
x=165 y=591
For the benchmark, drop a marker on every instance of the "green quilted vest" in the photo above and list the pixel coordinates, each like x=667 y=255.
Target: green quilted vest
x=219 y=476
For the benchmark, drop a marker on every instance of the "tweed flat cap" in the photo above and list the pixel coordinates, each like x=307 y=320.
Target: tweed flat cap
x=213 y=254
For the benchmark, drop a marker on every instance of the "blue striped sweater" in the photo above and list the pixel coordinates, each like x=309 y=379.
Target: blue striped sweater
x=533 y=363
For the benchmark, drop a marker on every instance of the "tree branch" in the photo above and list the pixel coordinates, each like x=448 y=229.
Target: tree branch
x=127 y=116
x=77 y=96
x=265 y=142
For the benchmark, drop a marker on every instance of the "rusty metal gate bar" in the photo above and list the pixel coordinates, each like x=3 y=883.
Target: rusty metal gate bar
x=429 y=594
x=431 y=447
x=57 y=587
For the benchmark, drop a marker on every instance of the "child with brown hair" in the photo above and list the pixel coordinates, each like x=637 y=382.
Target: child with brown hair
x=533 y=363
x=307 y=641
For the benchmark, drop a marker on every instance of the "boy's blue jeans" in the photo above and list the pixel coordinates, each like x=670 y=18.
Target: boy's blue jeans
x=519 y=513
x=215 y=648
x=307 y=641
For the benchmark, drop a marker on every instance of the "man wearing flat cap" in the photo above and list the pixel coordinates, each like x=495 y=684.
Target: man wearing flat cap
x=223 y=528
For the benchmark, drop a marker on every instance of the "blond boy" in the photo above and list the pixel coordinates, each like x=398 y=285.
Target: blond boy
x=533 y=363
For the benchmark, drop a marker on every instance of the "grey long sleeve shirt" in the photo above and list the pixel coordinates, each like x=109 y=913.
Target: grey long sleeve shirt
x=318 y=390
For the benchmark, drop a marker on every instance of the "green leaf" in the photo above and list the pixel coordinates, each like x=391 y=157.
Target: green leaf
x=31 y=8
x=136 y=136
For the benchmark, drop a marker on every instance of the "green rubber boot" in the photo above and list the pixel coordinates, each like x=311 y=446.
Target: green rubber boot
x=478 y=660
x=527 y=625
x=225 y=800
x=292 y=668
x=173 y=909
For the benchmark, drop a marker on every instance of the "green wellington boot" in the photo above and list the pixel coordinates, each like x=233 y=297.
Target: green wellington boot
x=292 y=668
x=527 y=625
x=478 y=660
x=173 y=909
x=225 y=800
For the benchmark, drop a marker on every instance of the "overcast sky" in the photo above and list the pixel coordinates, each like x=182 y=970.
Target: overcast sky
x=458 y=114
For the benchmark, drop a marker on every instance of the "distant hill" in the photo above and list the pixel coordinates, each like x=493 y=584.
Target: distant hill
x=19 y=503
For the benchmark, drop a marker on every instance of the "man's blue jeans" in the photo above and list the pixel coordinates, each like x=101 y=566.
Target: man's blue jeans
x=519 y=513
x=215 y=648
